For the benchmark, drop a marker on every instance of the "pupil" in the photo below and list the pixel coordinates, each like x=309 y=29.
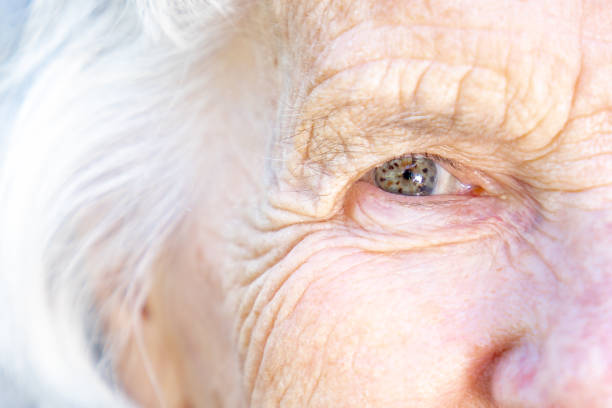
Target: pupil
x=407 y=174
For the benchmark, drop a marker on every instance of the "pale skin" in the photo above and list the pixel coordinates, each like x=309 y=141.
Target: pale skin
x=302 y=285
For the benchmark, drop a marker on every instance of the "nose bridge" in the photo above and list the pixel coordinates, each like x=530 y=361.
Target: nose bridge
x=583 y=254
x=576 y=345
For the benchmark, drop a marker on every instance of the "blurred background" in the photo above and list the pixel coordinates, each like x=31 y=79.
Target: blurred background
x=12 y=13
x=12 y=17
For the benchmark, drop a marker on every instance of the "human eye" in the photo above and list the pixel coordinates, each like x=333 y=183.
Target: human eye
x=418 y=175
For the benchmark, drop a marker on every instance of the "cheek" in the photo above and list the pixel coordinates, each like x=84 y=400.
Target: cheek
x=398 y=302
x=358 y=327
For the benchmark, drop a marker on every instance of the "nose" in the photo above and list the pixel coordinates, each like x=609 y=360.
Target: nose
x=570 y=366
x=566 y=361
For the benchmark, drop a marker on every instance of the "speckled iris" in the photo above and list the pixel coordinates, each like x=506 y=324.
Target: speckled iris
x=407 y=175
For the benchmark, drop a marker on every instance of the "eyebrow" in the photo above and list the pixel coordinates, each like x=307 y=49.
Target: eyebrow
x=339 y=124
x=351 y=104
x=508 y=85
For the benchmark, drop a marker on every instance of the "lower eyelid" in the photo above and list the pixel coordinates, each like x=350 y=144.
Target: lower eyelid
x=375 y=209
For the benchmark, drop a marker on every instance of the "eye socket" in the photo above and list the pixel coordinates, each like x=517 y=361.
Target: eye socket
x=417 y=175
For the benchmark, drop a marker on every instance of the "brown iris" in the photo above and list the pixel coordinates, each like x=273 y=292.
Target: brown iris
x=407 y=175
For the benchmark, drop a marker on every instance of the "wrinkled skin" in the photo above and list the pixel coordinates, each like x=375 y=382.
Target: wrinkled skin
x=304 y=286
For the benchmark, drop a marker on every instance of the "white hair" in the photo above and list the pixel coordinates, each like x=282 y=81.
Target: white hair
x=106 y=100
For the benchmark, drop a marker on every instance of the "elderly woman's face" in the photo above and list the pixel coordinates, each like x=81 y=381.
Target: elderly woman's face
x=315 y=282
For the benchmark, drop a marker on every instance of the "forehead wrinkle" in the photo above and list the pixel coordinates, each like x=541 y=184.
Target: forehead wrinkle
x=335 y=29
x=425 y=42
x=323 y=21
x=368 y=110
x=305 y=27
